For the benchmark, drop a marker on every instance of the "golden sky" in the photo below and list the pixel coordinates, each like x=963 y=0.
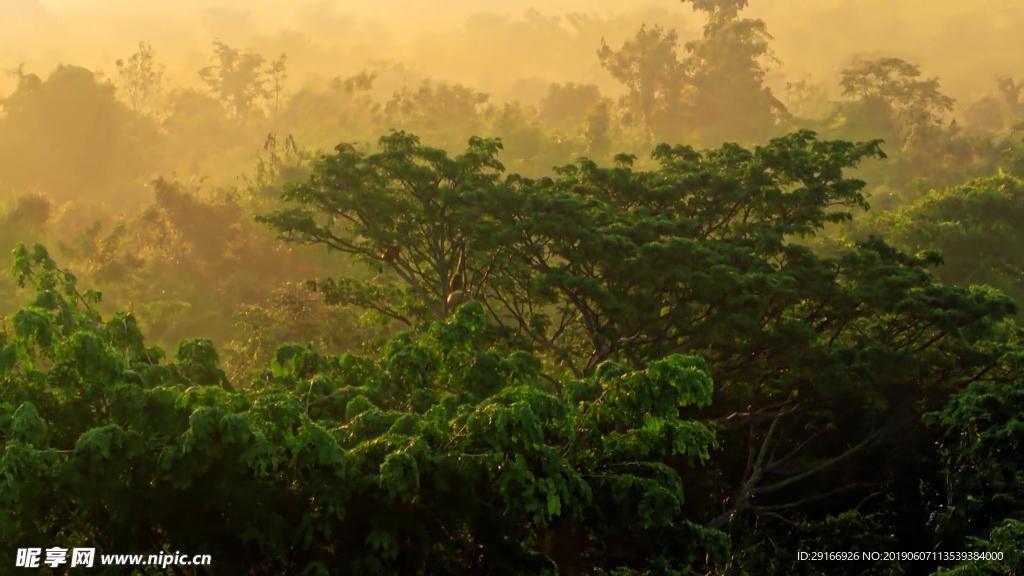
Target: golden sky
x=965 y=42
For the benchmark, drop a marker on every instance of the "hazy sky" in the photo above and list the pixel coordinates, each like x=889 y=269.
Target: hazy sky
x=399 y=12
x=967 y=43
x=379 y=8
x=454 y=10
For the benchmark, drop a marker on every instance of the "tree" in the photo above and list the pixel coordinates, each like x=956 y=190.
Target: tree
x=713 y=95
x=892 y=99
x=277 y=73
x=649 y=68
x=200 y=127
x=143 y=80
x=824 y=365
x=997 y=111
x=529 y=148
x=807 y=99
x=294 y=313
x=726 y=69
x=69 y=136
x=566 y=105
x=976 y=226
x=439 y=457
x=979 y=492
x=345 y=105
x=22 y=218
x=407 y=209
x=647 y=264
x=1012 y=150
x=598 y=131
x=236 y=78
x=185 y=263
x=451 y=112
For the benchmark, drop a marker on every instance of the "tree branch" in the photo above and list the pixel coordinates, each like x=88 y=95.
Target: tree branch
x=819 y=467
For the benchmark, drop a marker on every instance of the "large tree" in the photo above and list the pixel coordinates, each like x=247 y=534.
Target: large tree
x=239 y=80
x=649 y=67
x=713 y=93
x=408 y=210
x=889 y=98
x=823 y=364
x=727 y=68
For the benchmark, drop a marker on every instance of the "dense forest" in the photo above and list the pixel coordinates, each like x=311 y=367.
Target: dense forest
x=380 y=323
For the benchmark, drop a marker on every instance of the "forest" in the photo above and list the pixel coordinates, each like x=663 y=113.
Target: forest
x=700 y=317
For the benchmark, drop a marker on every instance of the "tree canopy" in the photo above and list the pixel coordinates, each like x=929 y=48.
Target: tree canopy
x=554 y=420
x=823 y=365
x=438 y=457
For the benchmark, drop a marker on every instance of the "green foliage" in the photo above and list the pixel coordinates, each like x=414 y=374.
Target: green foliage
x=981 y=489
x=437 y=457
x=772 y=552
x=406 y=209
x=602 y=241
x=976 y=226
x=295 y=313
x=823 y=364
x=982 y=425
x=1006 y=540
x=185 y=264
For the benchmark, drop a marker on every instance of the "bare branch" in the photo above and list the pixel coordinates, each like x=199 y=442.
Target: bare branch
x=819 y=467
x=739 y=419
x=772 y=465
x=816 y=497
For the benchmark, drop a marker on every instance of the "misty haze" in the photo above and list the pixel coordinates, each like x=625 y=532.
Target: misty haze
x=716 y=287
